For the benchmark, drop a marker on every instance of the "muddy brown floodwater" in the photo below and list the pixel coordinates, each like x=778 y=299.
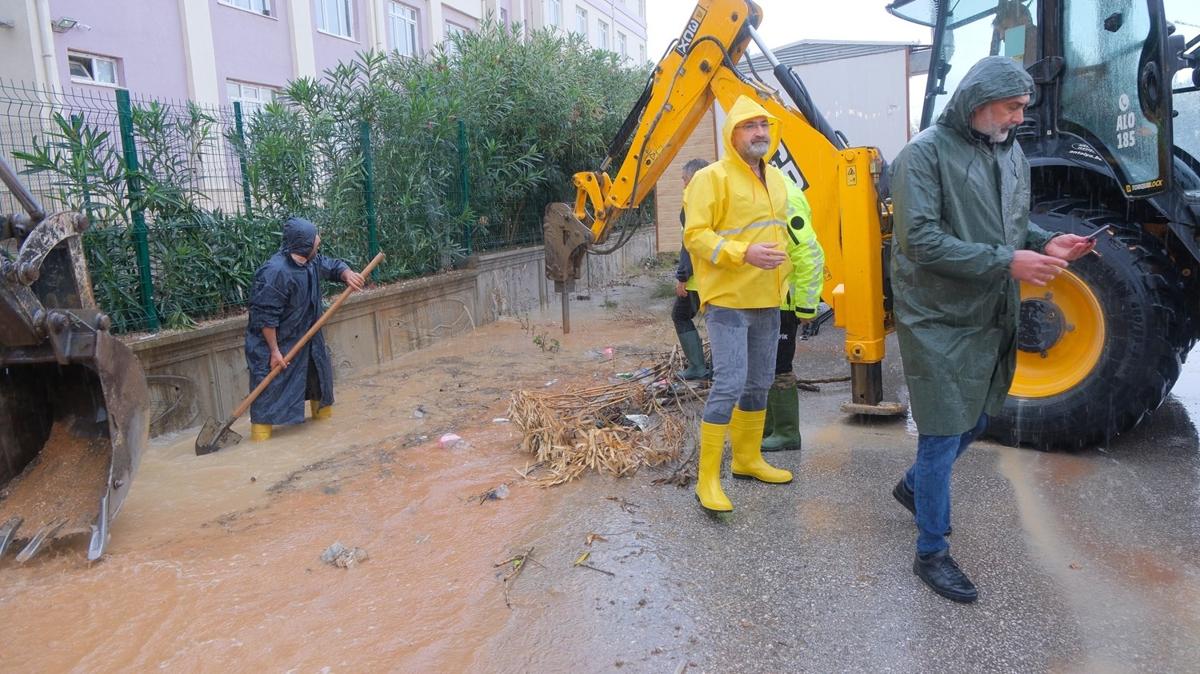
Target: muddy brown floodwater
x=214 y=562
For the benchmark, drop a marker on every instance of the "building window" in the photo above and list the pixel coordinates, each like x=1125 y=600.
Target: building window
x=581 y=22
x=602 y=35
x=641 y=53
x=89 y=69
x=334 y=17
x=257 y=6
x=455 y=29
x=503 y=16
x=622 y=48
x=554 y=13
x=402 y=27
x=252 y=96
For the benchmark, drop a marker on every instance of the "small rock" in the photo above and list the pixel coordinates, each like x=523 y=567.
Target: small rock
x=419 y=413
x=253 y=479
x=343 y=557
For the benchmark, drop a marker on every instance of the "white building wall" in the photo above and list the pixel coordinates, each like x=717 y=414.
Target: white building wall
x=866 y=98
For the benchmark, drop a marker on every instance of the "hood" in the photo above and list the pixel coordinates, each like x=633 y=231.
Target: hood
x=991 y=79
x=746 y=108
x=299 y=235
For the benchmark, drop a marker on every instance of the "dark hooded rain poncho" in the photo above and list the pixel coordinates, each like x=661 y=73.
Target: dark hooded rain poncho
x=961 y=211
x=287 y=297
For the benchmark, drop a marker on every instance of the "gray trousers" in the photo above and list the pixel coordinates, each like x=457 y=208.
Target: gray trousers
x=743 y=343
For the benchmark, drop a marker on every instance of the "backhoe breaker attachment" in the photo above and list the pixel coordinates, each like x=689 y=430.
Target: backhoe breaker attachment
x=74 y=406
x=566 y=240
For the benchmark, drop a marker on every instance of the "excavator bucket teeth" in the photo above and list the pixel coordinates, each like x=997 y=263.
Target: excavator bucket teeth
x=7 y=532
x=44 y=534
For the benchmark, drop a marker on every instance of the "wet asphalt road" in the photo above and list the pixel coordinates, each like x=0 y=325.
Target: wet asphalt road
x=1086 y=562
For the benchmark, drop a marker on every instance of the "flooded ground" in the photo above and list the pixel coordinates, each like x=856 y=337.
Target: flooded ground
x=1086 y=562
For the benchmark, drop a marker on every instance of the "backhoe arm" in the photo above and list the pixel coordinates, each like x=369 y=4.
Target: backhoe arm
x=840 y=183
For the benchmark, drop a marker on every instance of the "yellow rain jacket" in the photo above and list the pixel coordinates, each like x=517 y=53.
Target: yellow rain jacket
x=727 y=209
x=807 y=256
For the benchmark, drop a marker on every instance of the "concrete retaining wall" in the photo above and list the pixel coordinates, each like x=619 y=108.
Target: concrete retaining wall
x=201 y=373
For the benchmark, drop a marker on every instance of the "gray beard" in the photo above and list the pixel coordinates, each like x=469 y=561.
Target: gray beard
x=759 y=150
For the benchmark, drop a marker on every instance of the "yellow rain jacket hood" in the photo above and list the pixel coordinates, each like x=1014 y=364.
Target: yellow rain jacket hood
x=727 y=209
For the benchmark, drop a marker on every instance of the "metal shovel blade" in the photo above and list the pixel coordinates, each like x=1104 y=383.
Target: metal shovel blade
x=216 y=436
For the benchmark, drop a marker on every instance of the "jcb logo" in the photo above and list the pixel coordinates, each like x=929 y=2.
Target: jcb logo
x=784 y=161
x=689 y=33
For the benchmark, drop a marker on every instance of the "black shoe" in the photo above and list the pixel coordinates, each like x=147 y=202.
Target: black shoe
x=905 y=497
x=943 y=576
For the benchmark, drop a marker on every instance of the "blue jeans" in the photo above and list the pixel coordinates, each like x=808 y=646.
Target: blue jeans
x=743 y=345
x=929 y=480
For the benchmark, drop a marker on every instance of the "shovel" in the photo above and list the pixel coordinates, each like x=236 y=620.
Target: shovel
x=213 y=436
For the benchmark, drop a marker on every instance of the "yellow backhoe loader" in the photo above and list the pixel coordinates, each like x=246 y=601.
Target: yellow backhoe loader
x=1113 y=138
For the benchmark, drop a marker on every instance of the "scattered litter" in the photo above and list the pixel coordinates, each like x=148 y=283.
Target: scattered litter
x=499 y=493
x=592 y=538
x=500 y=420
x=609 y=352
x=343 y=557
x=550 y=383
x=419 y=413
x=518 y=565
x=642 y=421
x=1076 y=566
x=452 y=441
x=581 y=560
x=627 y=506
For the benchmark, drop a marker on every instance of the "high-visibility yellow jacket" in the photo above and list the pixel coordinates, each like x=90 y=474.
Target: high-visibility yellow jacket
x=727 y=209
x=807 y=256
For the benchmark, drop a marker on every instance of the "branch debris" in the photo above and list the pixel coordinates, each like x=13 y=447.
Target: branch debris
x=615 y=428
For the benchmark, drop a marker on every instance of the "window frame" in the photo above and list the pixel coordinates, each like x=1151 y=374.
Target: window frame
x=581 y=15
x=256 y=103
x=557 y=5
x=602 y=32
x=623 y=44
x=93 y=58
x=414 y=25
x=321 y=18
x=267 y=10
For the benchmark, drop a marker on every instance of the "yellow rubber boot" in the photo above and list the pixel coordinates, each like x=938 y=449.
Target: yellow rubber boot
x=260 y=432
x=708 y=473
x=745 y=435
x=319 y=412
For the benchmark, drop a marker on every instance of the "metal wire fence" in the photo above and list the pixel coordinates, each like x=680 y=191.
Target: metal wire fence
x=186 y=200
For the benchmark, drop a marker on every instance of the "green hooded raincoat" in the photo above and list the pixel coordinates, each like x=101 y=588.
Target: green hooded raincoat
x=961 y=211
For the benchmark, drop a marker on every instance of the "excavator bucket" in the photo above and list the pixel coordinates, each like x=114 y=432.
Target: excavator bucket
x=74 y=405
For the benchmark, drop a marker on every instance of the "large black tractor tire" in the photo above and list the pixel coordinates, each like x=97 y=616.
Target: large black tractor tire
x=1147 y=334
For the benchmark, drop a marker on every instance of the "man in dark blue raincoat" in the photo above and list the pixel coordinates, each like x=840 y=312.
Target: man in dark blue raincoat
x=963 y=243
x=284 y=304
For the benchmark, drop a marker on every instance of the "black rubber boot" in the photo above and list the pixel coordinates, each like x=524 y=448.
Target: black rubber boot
x=939 y=571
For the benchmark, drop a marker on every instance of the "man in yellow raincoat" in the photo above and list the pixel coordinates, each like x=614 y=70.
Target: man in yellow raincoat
x=736 y=214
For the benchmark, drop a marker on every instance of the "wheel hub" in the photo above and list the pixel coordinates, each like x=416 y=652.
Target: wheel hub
x=1042 y=325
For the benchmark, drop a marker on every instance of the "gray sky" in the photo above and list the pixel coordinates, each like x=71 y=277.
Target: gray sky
x=785 y=21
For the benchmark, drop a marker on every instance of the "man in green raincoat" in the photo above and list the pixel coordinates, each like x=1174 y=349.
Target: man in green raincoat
x=963 y=244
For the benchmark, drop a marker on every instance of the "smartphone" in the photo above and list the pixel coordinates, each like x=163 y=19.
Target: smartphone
x=1098 y=232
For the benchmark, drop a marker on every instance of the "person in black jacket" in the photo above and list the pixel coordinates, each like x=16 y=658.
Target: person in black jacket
x=687 y=300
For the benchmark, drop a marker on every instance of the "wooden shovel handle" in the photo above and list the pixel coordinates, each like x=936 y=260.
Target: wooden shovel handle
x=245 y=404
